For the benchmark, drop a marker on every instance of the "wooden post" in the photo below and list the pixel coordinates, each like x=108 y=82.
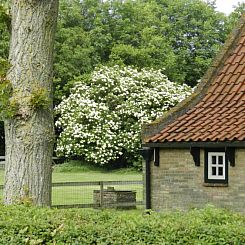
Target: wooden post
x=101 y=194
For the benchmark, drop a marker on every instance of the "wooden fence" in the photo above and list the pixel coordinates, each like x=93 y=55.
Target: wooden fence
x=97 y=194
x=2 y=162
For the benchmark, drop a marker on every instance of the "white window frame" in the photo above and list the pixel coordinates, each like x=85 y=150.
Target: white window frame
x=216 y=165
x=154 y=155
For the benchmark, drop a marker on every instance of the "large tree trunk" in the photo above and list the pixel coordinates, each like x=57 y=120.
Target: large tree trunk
x=29 y=134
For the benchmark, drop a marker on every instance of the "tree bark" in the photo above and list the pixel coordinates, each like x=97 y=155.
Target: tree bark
x=29 y=135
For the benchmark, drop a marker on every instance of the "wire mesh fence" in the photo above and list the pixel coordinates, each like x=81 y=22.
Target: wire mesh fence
x=116 y=194
x=2 y=162
x=1 y=193
x=96 y=194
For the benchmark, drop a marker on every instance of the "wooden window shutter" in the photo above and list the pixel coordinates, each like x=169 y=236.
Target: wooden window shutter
x=230 y=154
x=156 y=156
x=195 y=152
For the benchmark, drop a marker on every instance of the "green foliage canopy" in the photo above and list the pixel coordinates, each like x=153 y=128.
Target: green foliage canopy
x=180 y=36
x=236 y=14
x=4 y=33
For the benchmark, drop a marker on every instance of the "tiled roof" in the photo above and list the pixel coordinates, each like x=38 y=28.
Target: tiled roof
x=219 y=113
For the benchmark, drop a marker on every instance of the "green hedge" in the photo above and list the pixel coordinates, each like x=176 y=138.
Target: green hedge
x=27 y=225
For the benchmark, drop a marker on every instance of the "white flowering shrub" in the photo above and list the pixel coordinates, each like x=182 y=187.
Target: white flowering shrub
x=101 y=119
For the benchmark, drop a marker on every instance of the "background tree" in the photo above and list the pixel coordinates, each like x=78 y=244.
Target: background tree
x=4 y=47
x=236 y=14
x=101 y=119
x=196 y=32
x=29 y=131
x=4 y=33
x=180 y=36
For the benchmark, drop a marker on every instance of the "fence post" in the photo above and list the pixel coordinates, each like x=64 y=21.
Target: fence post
x=101 y=194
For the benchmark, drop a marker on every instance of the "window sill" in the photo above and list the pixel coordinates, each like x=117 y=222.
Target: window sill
x=215 y=184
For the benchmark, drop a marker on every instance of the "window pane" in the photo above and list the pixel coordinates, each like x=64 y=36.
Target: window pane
x=220 y=171
x=213 y=159
x=213 y=170
x=220 y=159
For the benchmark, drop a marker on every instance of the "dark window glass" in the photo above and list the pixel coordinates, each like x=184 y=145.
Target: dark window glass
x=220 y=159
x=213 y=159
x=213 y=170
x=220 y=171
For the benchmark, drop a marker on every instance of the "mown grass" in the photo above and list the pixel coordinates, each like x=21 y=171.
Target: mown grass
x=84 y=194
x=74 y=171
x=1 y=176
x=94 y=176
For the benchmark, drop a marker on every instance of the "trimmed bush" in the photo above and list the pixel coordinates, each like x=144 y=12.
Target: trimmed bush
x=28 y=225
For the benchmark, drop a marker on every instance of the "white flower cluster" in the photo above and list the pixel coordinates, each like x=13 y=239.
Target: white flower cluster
x=102 y=118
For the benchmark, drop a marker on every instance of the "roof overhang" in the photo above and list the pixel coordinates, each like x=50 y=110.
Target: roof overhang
x=237 y=144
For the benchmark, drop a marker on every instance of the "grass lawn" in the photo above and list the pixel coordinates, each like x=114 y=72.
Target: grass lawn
x=94 y=176
x=1 y=176
x=75 y=172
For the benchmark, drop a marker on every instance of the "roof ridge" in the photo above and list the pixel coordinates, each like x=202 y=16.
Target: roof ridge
x=199 y=93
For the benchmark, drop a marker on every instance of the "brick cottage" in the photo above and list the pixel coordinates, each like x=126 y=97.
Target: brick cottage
x=195 y=154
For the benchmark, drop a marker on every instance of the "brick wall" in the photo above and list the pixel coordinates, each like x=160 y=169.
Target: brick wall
x=178 y=184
